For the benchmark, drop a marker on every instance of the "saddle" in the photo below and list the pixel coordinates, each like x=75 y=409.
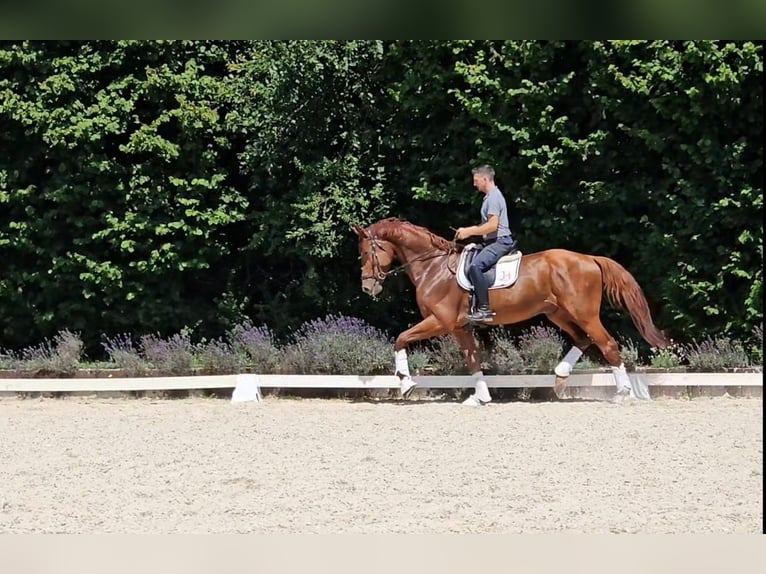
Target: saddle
x=503 y=274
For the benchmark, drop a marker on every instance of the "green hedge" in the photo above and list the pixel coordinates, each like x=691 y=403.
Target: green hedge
x=146 y=186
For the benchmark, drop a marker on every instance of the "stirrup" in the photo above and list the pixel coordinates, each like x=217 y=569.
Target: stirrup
x=481 y=315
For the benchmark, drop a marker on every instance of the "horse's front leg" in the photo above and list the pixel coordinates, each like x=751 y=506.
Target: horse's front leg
x=426 y=329
x=467 y=342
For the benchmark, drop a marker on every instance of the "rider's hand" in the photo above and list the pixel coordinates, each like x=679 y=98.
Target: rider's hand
x=462 y=233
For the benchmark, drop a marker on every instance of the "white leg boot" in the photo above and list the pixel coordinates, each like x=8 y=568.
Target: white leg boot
x=621 y=379
x=564 y=369
x=406 y=384
x=481 y=394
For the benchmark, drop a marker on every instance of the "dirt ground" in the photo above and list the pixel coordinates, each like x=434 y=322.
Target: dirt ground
x=204 y=465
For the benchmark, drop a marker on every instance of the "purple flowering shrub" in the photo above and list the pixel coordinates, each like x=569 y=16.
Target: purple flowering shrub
x=174 y=355
x=541 y=349
x=338 y=345
x=716 y=353
x=8 y=359
x=255 y=347
x=61 y=356
x=125 y=355
x=445 y=356
x=504 y=355
x=217 y=357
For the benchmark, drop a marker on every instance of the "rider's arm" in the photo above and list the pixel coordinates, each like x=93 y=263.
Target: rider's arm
x=493 y=221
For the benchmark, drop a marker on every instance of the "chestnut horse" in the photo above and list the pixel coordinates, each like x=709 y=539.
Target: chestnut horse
x=563 y=285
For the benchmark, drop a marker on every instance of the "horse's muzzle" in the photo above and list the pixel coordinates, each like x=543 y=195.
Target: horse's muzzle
x=372 y=287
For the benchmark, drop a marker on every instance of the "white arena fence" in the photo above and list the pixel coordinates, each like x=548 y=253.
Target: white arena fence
x=250 y=384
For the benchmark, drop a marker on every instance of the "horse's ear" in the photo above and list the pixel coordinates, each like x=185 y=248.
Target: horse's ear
x=359 y=230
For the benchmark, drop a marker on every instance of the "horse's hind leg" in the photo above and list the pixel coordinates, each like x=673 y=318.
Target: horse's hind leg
x=467 y=342
x=581 y=342
x=608 y=346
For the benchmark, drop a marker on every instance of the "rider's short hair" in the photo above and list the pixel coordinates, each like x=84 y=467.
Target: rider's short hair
x=486 y=171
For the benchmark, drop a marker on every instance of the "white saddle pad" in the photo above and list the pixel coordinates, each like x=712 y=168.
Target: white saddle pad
x=506 y=270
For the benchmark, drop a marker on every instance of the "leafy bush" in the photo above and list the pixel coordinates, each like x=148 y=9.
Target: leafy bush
x=124 y=355
x=504 y=357
x=541 y=348
x=8 y=359
x=587 y=364
x=716 y=353
x=667 y=358
x=338 y=345
x=60 y=356
x=418 y=360
x=256 y=346
x=174 y=355
x=756 y=349
x=217 y=357
x=629 y=354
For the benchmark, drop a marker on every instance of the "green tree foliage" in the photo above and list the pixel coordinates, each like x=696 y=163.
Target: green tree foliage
x=114 y=184
x=148 y=186
x=648 y=152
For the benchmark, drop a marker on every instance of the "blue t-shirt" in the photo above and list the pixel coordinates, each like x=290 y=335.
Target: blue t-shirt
x=494 y=204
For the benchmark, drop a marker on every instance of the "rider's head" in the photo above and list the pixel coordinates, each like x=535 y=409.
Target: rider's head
x=484 y=178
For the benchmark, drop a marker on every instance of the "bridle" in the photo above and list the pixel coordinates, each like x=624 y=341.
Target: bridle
x=378 y=275
x=377 y=271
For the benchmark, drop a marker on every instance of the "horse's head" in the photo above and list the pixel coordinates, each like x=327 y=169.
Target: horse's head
x=377 y=256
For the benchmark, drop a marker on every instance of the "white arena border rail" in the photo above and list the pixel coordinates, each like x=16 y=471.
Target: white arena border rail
x=197 y=382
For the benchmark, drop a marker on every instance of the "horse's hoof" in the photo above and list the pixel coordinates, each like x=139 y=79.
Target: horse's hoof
x=408 y=387
x=474 y=401
x=623 y=395
x=560 y=386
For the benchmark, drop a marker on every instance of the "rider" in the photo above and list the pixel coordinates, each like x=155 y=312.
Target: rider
x=497 y=238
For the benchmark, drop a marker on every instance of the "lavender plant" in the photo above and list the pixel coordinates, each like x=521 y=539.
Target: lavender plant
x=61 y=356
x=716 y=353
x=504 y=357
x=255 y=346
x=8 y=359
x=446 y=357
x=125 y=355
x=217 y=357
x=541 y=348
x=174 y=355
x=338 y=345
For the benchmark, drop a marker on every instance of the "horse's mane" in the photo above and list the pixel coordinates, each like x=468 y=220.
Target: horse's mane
x=393 y=229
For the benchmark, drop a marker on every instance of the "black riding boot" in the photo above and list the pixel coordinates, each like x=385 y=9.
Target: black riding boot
x=481 y=289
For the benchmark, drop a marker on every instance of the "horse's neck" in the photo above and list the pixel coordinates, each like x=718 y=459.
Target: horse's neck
x=409 y=246
x=419 y=254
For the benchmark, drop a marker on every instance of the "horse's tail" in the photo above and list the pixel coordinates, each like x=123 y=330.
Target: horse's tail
x=623 y=291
